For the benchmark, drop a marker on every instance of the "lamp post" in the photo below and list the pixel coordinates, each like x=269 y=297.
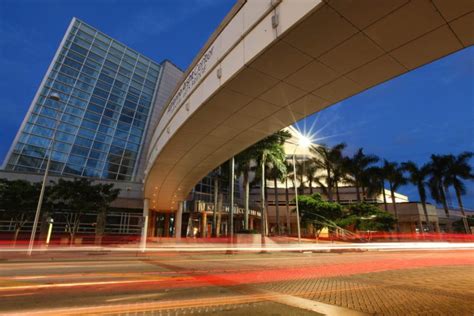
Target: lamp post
x=303 y=142
x=55 y=97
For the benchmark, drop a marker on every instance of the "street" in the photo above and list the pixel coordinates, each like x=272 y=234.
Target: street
x=421 y=282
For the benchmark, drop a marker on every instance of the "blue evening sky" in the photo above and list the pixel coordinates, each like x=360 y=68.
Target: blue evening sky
x=430 y=110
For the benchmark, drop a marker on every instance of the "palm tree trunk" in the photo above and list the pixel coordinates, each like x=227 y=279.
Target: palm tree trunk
x=385 y=206
x=277 y=206
x=427 y=218
x=461 y=206
x=247 y=194
x=357 y=191
x=338 y=198
x=392 y=193
x=310 y=182
x=329 y=185
x=288 y=222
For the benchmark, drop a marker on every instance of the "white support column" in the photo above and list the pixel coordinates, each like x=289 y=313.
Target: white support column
x=145 y=225
x=178 y=221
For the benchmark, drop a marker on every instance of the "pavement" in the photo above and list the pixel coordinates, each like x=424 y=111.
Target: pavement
x=417 y=282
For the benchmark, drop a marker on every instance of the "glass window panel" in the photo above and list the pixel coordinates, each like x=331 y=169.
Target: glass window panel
x=69 y=71
x=101 y=93
x=87 y=79
x=91 y=116
x=96 y=50
x=87 y=29
x=116 y=99
x=80 y=151
x=49 y=112
x=65 y=137
x=34 y=151
x=46 y=121
x=102 y=45
x=64 y=127
x=98 y=100
x=83 y=142
x=38 y=141
x=86 y=133
x=95 y=108
x=42 y=131
x=103 y=38
x=131 y=53
x=95 y=57
x=80 y=94
x=79 y=49
x=85 y=36
x=58 y=156
x=104 y=86
x=59 y=146
x=118 y=46
x=82 y=42
x=72 y=63
x=30 y=161
x=91 y=63
x=77 y=102
x=115 y=52
x=111 y=65
x=89 y=124
x=91 y=72
x=65 y=79
x=75 y=56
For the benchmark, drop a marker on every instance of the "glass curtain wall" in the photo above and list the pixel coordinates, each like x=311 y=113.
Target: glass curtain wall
x=106 y=90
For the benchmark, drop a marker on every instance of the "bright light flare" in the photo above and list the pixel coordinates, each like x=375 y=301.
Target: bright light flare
x=304 y=141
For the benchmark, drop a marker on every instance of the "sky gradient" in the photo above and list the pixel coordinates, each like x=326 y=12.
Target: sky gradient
x=429 y=110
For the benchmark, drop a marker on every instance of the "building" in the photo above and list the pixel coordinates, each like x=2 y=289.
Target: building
x=110 y=99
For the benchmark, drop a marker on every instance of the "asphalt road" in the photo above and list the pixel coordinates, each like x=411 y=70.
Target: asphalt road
x=361 y=283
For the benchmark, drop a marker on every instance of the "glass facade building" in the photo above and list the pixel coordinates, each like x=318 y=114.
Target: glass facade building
x=106 y=94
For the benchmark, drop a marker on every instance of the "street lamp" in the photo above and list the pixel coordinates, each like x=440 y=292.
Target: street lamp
x=303 y=142
x=55 y=97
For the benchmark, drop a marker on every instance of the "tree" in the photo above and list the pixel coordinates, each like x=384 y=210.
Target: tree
x=367 y=217
x=277 y=175
x=103 y=196
x=375 y=182
x=355 y=169
x=437 y=181
x=329 y=159
x=394 y=175
x=77 y=196
x=19 y=198
x=314 y=210
x=458 y=169
x=269 y=151
x=417 y=176
x=244 y=161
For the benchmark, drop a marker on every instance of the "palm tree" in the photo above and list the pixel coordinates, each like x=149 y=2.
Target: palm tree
x=277 y=175
x=376 y=183
x=288 y=176
x=270 y=151
x=394 y=175
x=458 y=169
x=244 y=167
x=437 y=181
x=310 y=174
x=417 y=176
x=355 y=168
x=329 y=158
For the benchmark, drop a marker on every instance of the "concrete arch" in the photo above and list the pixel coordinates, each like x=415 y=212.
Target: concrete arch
x=271 y=63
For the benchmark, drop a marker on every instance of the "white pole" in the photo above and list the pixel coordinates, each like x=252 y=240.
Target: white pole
x=145 y=225
x=296 y=199
x=178 y=221
x=54 y=97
